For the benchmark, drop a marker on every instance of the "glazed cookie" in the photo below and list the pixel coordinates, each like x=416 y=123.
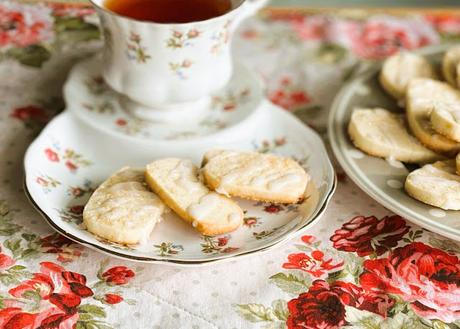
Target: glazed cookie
x=422 y=96
x=399 y=69
x=176 y=182
x=381 y=133
x=123 y=209
x=450 y=66
x=445 y=119
x=436 y=184
x=255 y=176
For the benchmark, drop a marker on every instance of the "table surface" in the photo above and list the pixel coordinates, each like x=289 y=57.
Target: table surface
x=359 y=267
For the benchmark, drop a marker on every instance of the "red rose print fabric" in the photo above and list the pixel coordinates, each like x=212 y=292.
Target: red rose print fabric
x=118 y=275
x=323 y=306
x=317 y=264
x=353 y=269
x=24 y=28
x=60 y=293
x=426 y=277
x=369 y=235
x=374 y=276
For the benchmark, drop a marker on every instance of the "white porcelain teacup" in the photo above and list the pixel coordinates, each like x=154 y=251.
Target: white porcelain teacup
x=168 y=71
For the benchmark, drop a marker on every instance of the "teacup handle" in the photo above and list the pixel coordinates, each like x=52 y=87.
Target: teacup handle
x=250 y=7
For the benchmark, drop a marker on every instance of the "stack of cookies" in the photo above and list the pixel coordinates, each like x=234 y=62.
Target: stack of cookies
x=126 y=207
x=428 y=133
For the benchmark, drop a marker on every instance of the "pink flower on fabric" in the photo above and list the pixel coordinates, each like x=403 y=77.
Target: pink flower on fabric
x=24 y=25
x=426 y=277
x=317 y=264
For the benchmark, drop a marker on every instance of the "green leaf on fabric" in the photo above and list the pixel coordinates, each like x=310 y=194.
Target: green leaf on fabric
x=14 y=275
x=331 y=53
x=102 y=267
x=4 y=209
x=335 y=276
x=280 y=309
x=449 y=37
x=17 y=268
x=29 y=253
x=94 y=310
x=14 y=245
x=275 y=325
x=29 y=237
x=75 y=29
x=7 y=227
x=302 y=247
x=353 y=265
x=130 y=301
x=62 y=24
x=34 y=55
x=436 y=324
x=256 y=312
x=81 y=325
x=91 y=324
x=359 y=319
x=85 y=316
x=291 y=283
x=32 y=294
x=413 y=235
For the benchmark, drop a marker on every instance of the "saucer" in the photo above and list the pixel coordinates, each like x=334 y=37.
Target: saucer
x=69 y=159
x=229 y=110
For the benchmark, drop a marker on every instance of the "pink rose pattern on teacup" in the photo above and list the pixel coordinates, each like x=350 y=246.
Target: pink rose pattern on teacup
x=178 y=40
x=182 y=39
x=180 y=68
x=135 y=50
x=221 y=38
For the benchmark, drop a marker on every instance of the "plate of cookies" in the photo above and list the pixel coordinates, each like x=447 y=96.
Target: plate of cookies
x=395 y=129
x=187 y=202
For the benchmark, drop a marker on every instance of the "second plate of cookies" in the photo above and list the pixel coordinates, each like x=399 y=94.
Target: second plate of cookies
x=394 y=129
x=183 y=203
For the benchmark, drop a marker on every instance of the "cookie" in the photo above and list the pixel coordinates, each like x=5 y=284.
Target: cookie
x=123 y=209
x=457 y=163
x=176 y=182
x=422 y=95
x=445 y=119
x=381 y=133
x=399 y=69
x=450 y=66
x=436 y=184
x=255 y=176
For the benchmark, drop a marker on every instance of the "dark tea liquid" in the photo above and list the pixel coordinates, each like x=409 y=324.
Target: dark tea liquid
x=170 y=11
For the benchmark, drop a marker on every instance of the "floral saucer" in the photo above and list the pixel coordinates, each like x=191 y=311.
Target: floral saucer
x=93 y=101
x=69 y=159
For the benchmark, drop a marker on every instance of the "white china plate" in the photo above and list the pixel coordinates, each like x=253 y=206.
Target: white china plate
x=70 y=158
x=383 y=180
x=94 y=102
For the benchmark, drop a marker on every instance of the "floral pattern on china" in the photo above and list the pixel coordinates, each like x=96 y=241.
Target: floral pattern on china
x=92 y=100
x=62 y=193
x=196 y=54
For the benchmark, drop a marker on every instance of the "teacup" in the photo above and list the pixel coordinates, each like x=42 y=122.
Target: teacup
x=169 y=71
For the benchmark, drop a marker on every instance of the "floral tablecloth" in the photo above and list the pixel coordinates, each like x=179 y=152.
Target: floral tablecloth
x=359 y=267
